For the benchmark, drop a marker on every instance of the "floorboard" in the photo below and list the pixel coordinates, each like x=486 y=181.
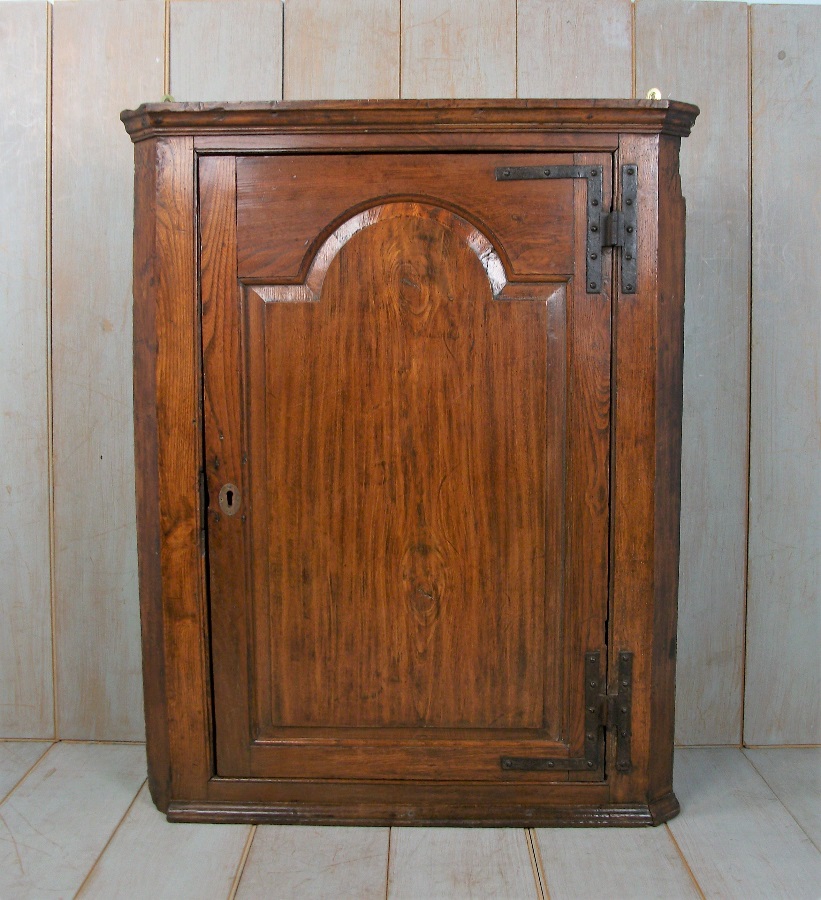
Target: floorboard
x=794 y=776
x=149 y=858
x=78 y=822
x=451 y=863
x=578 y=863
x=736 y=835
x=16 y=758
x=54 y=825
x=304 y=862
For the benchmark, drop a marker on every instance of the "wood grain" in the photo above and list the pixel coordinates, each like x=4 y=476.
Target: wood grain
x=105 y=56
x=715 y=168
x=513 y=124
x=458 y=862
x=794 y=776
x=226 y=51
x=374 y=461
x=646 y=438
x=287 y=205
x=26 y=689
x=738 y=839
x=315 y=863
x=360 y=61
x=783 y=683
x=578 y=49
x=56 y=823
x=16 y=758
x=149 y=857
x=223 y=345
x=618 y=862
x=346 y=391
x=458 y=48
x=342 y=351
x=173 y=558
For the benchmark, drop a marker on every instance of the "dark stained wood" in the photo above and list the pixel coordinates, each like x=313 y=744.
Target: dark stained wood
x=587 y=464
x=168 y=449
x=287 y=206
x=669 y=403
x=647 y=459
x=443 y=497
x=340 y=468
x=223 y=454
x=149 y=538
x=635 y=347
x=388 y=405
x=653 y=116
x=408 y=141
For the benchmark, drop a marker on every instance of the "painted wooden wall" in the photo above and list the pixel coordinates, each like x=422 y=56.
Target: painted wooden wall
x=69 y=648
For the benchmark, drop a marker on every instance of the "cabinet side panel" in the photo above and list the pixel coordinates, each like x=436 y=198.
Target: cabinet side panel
x=670 y=325
x=339 y=51
x=105 y=56
x=714 y=172
x=783 y=694
x=634 y=448
x=26 y=701
x=146 y=470
x=179 y=456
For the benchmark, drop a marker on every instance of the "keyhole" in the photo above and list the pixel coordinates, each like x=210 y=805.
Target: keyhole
x=229 y=499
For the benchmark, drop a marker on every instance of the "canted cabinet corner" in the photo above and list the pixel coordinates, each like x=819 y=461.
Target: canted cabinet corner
x=408 y=426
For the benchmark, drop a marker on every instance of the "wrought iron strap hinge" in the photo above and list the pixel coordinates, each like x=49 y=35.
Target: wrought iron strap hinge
x=614 y=229
x=604 y=713
x=620 y=228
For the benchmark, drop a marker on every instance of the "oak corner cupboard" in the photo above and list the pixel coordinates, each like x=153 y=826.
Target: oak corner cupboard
x=408 y=401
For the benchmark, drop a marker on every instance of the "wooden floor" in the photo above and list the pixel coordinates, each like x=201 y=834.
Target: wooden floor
x=76 y=820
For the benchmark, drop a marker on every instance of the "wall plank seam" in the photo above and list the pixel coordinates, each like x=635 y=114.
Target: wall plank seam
x=52 y=536
x=749 y=370
x=166 y=82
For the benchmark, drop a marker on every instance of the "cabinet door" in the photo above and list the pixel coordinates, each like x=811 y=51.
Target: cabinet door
x=407 y=429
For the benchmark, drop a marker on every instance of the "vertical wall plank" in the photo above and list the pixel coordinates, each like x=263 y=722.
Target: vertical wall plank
x=458 y=48
x=579 y=49
x=26 y=700
x=226 y=51
x=341 y=50
x=106 y=57
x=712 y=73
x=783 y=689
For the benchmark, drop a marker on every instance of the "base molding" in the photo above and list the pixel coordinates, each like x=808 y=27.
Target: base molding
x=664 y=808
x=625 y=815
